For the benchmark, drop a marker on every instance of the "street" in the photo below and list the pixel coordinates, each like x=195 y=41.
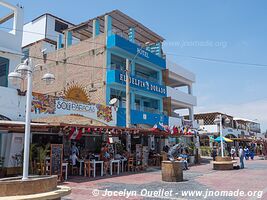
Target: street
x=199 y=178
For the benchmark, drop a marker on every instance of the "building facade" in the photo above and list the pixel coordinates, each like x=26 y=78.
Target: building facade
x=93 y=69
x=12 y=105
x=237 y=128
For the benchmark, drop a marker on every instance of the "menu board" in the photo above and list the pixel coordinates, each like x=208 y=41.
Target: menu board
x=56 y=156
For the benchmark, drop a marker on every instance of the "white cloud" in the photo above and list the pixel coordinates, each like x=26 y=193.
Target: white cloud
x=250 y=110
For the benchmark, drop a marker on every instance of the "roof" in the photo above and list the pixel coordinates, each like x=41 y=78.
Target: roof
x=15 y=123
x=121 y=23
x=69 y=119
x=246 y=120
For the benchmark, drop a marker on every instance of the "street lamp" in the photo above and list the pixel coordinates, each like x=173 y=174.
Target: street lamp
x=25 y=71
x=218 y=121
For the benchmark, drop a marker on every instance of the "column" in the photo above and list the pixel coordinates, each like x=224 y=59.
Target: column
x=131 y=34
x=68 y=38
x=190 y=89
x=59 y=41
x=96 y=28
x=108 y=25
x=132 y=101
x=191 y=114
x=133 y=68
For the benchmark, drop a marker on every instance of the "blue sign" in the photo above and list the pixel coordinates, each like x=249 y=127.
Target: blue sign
x=136 y=82
x=130 y=47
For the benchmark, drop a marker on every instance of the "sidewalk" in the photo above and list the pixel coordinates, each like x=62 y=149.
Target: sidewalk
x=198 y=178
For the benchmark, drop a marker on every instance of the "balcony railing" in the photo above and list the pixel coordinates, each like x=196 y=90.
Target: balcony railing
x=181 y=96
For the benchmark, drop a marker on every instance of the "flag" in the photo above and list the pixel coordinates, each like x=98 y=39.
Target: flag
x=75 y=133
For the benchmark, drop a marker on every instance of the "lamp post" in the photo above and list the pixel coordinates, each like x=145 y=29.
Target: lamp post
x=25 y=71
x=218 y=121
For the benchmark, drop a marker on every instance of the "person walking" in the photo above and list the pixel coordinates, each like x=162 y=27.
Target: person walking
x=241 y=157
x=246 y=153
x=232 y=151
x=214 y=153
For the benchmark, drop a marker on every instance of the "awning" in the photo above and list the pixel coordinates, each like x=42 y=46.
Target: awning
x=218 y=139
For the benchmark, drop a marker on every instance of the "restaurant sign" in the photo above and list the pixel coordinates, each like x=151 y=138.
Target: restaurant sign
x=136 y=82
x=46 y=105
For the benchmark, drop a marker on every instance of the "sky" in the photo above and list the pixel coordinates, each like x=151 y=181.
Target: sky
x=226 y=30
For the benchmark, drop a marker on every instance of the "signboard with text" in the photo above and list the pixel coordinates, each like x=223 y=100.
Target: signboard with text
x=45 y=105
x=136 y=82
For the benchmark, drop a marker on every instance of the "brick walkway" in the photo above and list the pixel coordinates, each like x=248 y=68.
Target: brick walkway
x=199 y=178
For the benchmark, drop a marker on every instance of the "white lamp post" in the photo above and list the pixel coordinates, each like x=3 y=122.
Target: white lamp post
x=218 y=121
x=25 y=71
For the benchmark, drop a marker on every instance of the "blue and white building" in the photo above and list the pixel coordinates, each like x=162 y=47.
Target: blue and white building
x=155 y=82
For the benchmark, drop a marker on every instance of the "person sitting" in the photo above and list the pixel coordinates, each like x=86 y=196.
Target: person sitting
x=74 y=153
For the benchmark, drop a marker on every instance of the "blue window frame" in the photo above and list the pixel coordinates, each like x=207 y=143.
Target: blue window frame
x=4 y=68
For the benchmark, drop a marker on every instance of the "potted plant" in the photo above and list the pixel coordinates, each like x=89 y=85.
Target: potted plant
x=41 y=157
x=192 y=149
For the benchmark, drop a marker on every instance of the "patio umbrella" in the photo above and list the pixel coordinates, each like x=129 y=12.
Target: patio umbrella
x=224 y=139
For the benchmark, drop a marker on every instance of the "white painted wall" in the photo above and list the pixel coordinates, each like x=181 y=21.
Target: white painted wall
x=175 y=121
x=12 y=105
x=11 y=41
x=180 y=96
x=180 y=71
x=34 y=31
x=43 y=27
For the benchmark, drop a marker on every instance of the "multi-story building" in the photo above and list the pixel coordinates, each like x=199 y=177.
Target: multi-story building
x=47 y=28
x=92 y=69
x=237 y=128
x=12 y=106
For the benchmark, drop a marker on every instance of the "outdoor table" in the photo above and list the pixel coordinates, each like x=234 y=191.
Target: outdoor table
x=81 y=163
x=98 y=162
x=66 y=170
x=111 y=164
x=122 y=163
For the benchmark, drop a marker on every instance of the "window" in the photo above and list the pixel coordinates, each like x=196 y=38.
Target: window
x=146 y=73
x=118 y=63
x=4 y=65
x=60 y=27
x=26 y=53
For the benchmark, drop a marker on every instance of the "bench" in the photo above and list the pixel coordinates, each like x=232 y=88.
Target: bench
x=223 y=165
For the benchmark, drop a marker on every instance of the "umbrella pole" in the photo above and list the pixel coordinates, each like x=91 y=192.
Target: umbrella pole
x=222 y=150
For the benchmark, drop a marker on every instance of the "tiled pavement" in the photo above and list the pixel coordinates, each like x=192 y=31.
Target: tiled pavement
x=199 y=178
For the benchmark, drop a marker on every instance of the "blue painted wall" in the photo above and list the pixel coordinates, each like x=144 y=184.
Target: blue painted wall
x=114 y=41
x=139 y=117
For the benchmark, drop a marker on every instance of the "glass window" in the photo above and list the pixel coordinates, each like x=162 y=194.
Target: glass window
x=60 y=27
x=4 y=68
x=118 y=63
x=26 y=53
x=146 y=73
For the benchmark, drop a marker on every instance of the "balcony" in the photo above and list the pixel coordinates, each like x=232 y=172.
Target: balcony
x=11 y=41
x=181 y=99
x=122 y=45
x=177 y=76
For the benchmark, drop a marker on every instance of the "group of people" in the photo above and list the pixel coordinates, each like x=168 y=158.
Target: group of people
x=249 y=152
x=242 y=153
x=106 y=154
x=178 y=152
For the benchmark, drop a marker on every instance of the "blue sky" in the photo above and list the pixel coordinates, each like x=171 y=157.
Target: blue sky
x=226 y=29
